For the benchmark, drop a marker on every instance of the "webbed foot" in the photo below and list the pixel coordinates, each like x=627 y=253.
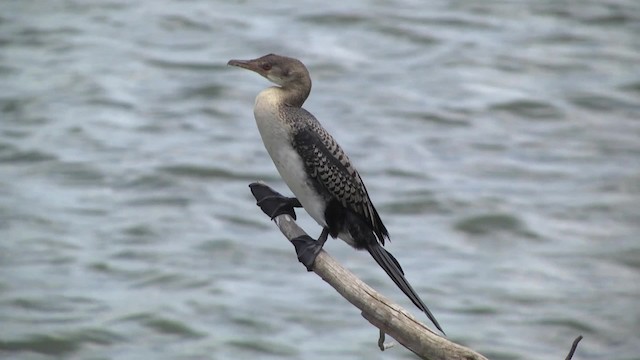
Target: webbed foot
x=307 y=250
x=272 y=202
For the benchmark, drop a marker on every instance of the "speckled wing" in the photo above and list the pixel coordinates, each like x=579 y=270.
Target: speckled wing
x=327 y=164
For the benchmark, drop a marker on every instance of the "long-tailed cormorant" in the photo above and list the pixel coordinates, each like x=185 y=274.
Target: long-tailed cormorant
x=317 y=170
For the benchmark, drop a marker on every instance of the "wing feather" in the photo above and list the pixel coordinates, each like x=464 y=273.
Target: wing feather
x=326 y=162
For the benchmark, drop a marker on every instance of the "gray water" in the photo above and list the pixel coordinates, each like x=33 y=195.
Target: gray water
x=499 y=141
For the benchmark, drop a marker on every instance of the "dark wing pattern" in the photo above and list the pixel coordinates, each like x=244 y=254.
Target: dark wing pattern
x=329 y=165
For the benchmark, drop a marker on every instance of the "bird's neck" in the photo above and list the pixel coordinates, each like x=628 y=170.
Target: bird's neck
x=293 y=95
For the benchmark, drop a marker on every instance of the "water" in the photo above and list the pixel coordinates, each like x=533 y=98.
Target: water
x=499 y=141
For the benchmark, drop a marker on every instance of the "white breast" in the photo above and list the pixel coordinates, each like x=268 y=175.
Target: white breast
x=276 y=136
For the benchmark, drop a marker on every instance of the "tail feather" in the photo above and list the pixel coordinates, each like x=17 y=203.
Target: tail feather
x=393 y=269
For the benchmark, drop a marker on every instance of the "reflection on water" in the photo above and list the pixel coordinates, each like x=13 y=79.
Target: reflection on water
x=499 y=141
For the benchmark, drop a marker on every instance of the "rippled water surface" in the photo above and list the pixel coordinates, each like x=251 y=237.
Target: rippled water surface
x=499 y=141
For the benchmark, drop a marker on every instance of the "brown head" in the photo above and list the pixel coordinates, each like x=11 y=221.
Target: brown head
x=289 y=73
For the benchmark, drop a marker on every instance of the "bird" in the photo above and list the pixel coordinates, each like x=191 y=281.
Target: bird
x=317 y=170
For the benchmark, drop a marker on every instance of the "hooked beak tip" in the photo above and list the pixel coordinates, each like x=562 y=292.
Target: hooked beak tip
x=251 y=65
x=246 y=64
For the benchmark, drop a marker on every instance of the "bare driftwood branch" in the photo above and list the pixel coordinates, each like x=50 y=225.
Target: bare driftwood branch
x=387 y=316
x=378 y=310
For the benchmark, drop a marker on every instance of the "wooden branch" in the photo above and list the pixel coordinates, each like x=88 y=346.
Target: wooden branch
x=378 y=310
x=387 y=316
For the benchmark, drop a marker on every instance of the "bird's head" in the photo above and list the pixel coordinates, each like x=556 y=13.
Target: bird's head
x=281 y=70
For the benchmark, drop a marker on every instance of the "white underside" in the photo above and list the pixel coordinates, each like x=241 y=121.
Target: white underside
x=277 y=140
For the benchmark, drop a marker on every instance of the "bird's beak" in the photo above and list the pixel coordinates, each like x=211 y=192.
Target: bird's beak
x=246 y=64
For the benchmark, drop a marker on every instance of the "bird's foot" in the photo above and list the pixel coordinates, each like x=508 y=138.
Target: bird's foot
x=307 y=250
x=272 y=202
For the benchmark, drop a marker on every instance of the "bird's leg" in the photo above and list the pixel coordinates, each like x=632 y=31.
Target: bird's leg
x=272 y=202
x=308 y=249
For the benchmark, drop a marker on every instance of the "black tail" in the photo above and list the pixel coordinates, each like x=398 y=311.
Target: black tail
x=393 y=269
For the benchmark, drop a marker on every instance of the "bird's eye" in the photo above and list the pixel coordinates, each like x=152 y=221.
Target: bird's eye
x=266 y=66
